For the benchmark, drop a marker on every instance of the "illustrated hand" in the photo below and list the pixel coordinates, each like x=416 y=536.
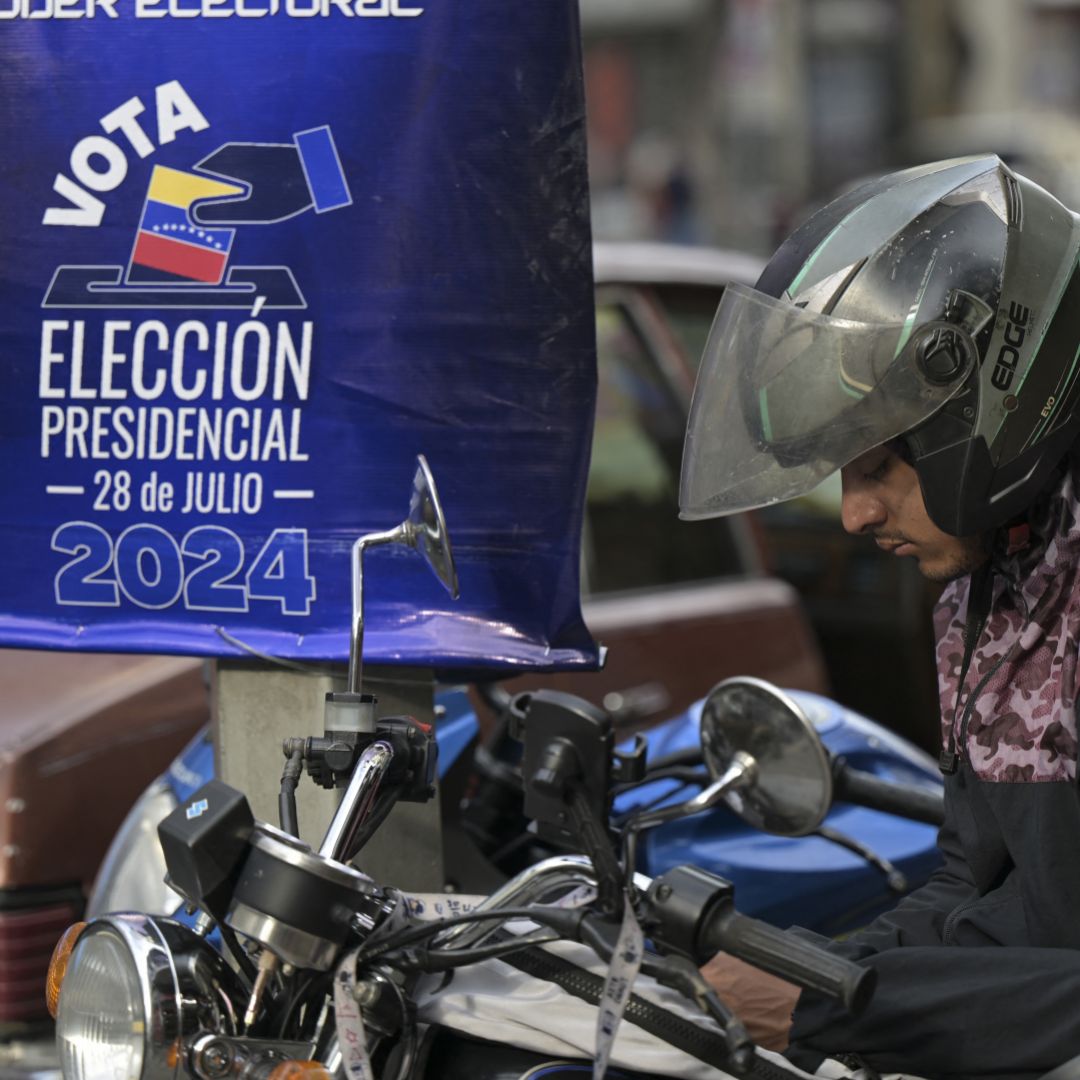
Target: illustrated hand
x=273 y=175
x=281 y=180
x=761 y=1001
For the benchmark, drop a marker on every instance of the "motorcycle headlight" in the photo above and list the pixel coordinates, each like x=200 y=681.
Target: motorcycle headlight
x=132 y=875
x=135 y=987
x=101 y=1024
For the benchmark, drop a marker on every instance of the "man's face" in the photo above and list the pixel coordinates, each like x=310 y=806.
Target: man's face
x=882 y=498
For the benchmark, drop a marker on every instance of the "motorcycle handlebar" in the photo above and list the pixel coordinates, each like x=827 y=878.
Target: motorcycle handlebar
x=788 y=957
x=696 y=916
x=865 y=789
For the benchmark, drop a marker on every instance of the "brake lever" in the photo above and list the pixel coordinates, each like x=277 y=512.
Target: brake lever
x=681 y=975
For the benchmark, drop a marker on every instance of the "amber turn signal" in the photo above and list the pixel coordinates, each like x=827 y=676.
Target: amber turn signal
x=58 y=965
x=300 y=1070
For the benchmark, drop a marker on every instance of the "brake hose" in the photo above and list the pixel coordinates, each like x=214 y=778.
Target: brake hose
x=683 y=1034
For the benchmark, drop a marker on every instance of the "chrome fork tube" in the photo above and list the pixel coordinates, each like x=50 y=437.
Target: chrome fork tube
x=357 y=802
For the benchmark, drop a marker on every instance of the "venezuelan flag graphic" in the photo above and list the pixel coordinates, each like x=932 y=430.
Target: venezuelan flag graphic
x=170 y=247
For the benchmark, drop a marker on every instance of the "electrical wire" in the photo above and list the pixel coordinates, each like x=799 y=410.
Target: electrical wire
x=560 y=917
x=300 y=992
x=433 y=960
x=688 y=774
x=660 y=799
x=242 y=959
x=408 y=1037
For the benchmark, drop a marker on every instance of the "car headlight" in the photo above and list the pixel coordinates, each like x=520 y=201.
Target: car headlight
x=133 y=989
x=132 y=875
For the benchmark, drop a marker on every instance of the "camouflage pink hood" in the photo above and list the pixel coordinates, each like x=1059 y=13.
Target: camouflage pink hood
x=950 y=1001
x=1021 y=685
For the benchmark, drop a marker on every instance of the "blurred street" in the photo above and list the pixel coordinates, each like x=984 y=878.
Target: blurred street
x=727 y=121
x=34 y=1060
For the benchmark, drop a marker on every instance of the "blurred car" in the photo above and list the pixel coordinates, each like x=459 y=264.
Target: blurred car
x=81 y=735
x=679 y=606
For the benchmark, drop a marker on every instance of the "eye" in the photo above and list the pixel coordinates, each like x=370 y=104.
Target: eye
x=878 y=472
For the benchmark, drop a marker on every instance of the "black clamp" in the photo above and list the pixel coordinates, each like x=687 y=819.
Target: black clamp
x=329 y=759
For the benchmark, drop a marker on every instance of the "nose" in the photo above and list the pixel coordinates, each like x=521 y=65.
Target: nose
x=860 y=509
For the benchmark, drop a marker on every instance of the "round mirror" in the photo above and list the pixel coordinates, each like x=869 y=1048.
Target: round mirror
x=427 y=527
x=792 y=790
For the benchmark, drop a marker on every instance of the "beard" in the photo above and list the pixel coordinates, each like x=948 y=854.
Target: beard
x=964 y=556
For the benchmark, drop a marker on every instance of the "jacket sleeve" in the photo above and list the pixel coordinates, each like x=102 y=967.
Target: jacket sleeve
x=918 y=920
x=940 y=1010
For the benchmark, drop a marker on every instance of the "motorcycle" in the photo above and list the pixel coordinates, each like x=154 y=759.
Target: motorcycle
x=324 y=972
x=853 y=865
x=833 y=880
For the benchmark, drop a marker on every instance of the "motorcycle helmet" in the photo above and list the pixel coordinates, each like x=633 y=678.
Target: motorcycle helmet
x=938 y=306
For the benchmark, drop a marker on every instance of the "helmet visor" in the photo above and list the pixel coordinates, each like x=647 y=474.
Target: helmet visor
x=784 y=397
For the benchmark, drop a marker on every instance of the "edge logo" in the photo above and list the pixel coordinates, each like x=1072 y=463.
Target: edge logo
x=1008 y=355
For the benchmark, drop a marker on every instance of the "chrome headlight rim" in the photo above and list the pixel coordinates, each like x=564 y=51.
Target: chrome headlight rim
x=155 y=973
x=185 y=986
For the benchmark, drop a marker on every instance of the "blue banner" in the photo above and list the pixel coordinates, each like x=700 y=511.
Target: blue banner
x=255 y=256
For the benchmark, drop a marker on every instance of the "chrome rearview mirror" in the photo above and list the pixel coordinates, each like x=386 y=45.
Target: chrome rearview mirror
x=424 y=529
x=349 y=717
x=789 y=790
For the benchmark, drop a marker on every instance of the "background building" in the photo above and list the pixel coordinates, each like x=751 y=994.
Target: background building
x=727 y=121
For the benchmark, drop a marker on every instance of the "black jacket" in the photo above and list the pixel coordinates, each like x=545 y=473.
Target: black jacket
x=979 y=970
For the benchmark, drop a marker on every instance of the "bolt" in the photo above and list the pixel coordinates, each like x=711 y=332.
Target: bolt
x=663 y=892
x=362 y=923
x=216 y=1059
x=366 y=994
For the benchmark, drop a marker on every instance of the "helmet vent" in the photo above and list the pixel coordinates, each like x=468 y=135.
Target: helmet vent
x=943 y=353
x=1014 y=202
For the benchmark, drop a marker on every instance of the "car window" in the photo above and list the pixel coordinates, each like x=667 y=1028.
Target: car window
x=690 y=310
x=633 y=538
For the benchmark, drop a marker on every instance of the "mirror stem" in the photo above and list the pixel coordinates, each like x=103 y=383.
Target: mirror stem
x=403 y=533
x=742 y=770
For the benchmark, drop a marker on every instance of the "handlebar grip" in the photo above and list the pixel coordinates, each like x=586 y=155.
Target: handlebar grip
x=789 y=957
x=865 y=789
